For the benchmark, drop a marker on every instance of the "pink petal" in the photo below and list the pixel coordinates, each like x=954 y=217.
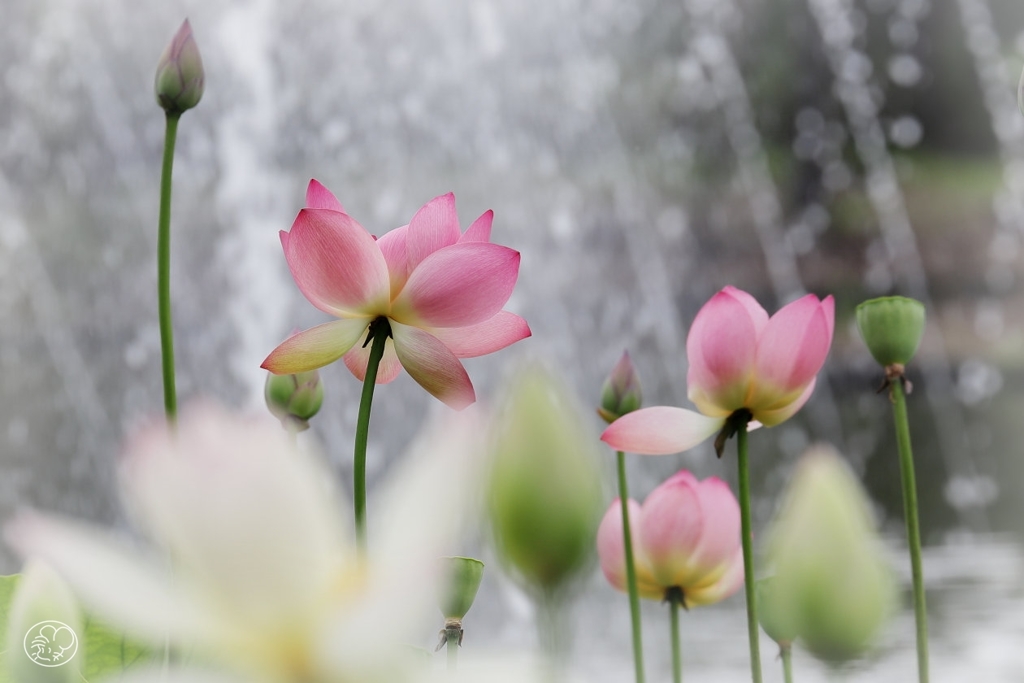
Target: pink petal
x=461 y=285
x=755 y=310
x=612 y=555
x=337 y=264
x=660 y=430
x=434 y=227
x=792 y=348
x=358 y=357
x=670 y=530
x=770 y=418
x=720 y=537
x=433 y=366
x=723 y=587
x=493 y=334
x=319 y=197
x=480 y=230
x=316 y=347
x=393 y=245
x=721 y=348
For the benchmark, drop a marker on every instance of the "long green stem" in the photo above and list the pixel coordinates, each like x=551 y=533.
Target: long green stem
x=899 y=411
x=634 y=593
x=675 y=598
x=748 y=553
x=163 y=256
x=380 y=329
x=452 y=638
x=786 y=653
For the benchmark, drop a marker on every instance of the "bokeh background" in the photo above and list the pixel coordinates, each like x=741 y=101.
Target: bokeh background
x=641 y=155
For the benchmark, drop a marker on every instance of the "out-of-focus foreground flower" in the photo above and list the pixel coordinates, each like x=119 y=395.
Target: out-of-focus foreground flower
x=440 y=290
x=686 y=535
x=740 y=359
x=832 y=587
x=260 y=576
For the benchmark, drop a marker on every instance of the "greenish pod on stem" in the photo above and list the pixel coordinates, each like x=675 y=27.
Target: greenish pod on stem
x=44 y=628
x=464 y=575
x=892 y=328
x=180 y=78
x=294 y=399
x=621 y=392
x=776 y=617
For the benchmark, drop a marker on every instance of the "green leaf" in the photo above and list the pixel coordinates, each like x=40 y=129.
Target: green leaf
x=107 y=651
x=7 y=586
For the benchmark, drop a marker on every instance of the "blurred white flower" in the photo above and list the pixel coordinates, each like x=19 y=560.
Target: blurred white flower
x=259 y=573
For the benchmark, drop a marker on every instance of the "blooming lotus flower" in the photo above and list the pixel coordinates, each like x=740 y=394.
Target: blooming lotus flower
x=440 y=290
x=686 y=535
x=262 y=577
x=740 y=359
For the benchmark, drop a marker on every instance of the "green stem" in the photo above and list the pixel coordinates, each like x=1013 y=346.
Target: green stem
x=899 y=410
x=163 y=256
x=675 y=597
x=786 y=653
x=452 y=638
x=634 y=593
x=748 y=553
x=379 y=332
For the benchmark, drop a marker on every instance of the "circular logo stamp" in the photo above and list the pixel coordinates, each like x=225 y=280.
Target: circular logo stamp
x=51 y=643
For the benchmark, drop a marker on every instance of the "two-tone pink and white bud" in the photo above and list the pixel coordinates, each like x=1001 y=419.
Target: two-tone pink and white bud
x=686 y=536
x=179 y=74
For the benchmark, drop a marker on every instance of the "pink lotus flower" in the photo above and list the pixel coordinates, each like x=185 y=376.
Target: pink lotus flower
x=440 y=290
x=686 y=535
x=740 y=359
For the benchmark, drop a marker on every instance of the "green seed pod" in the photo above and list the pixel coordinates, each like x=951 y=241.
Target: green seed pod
x=892 y=327
x=545 y=491
x=464 y=576
x=776 y=617
x=621 y=392
x=44 y=628
x=180 y=78
x=294 y=399
x=829 y=569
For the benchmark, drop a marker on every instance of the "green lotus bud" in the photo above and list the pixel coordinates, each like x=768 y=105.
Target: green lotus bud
x=892 y=327
x=545 y=491
x=294 y=399
x=179 y=74
x=464 y=576
x=43 y=629
x=621 y=392
x=776 y=617
x=829 y=569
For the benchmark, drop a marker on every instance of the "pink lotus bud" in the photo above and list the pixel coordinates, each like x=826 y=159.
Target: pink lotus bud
x=686 y=537
x=621 y=392
x=179 y=74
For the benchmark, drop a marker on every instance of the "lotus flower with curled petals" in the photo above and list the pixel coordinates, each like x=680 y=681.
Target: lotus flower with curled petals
x=686 y=536
x=440 y=290
x=740 y=359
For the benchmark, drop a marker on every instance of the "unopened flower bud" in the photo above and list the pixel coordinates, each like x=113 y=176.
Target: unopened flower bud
x=892 y=327
x=294 y=399
x=463 y=580
x=179 y=74
x=776 y=617
x=830 y=573
x=621 y=392
x=545 y=491
x=44 y=626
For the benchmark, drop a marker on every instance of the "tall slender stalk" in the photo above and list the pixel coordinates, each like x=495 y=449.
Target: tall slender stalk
x=378 y=335
x=163 y=259
x=634 y=593
x=452 y=643
x=786 y=653
x=899 y=411
x=675 y=599
x=748 y=553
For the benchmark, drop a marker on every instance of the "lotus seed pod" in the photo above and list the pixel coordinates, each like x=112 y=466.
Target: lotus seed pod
x=776 y=617
x=464 y=576
x=892 y=327
x=621 y=392
x=179 y=74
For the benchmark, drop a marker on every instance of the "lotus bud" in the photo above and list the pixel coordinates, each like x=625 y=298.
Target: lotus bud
x=776 y=617
x=892 y=327
x=294 y=399
x=829 y=569
x=621 y=392
x=464 y=577
x=44 y=625
x=545 y=489
x=179 y=74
